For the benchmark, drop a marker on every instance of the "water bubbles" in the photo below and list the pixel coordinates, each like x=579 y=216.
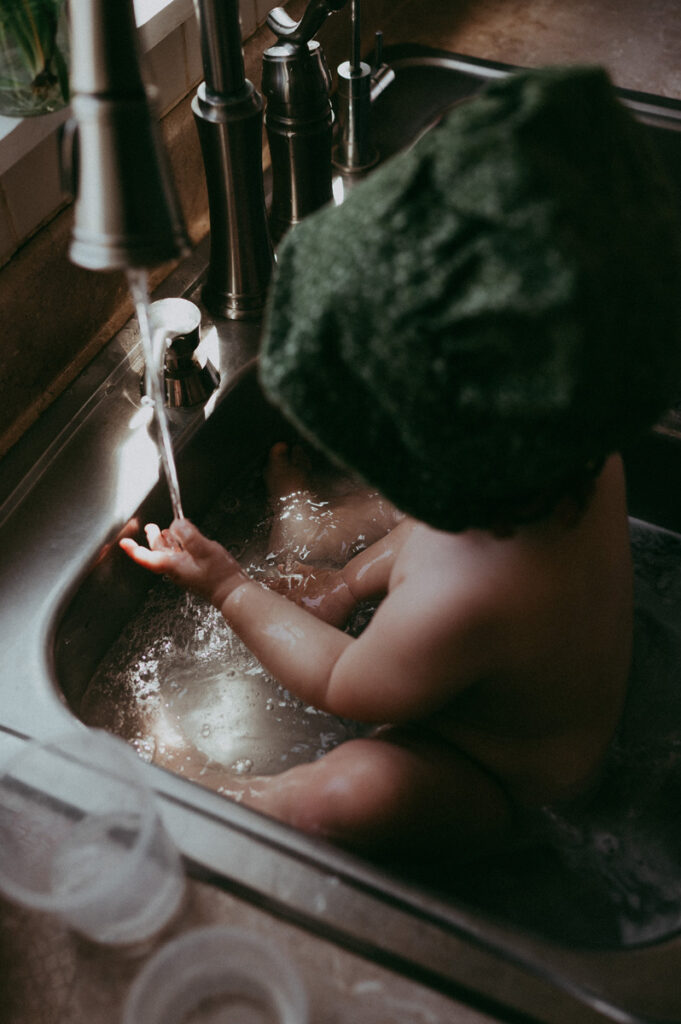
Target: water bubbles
x=327 y=741
x=183 y=688
x=145 y=747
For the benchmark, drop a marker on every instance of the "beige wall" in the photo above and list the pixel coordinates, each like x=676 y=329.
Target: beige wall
x=55 y=317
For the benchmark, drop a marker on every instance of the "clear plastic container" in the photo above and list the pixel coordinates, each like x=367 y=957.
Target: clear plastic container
x=217 y=974
x=81 y=837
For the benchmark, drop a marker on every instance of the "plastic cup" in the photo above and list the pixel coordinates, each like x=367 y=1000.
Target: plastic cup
x=217 y=974
x=81 y=837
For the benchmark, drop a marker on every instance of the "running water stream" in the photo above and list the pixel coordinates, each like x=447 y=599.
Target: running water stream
x=153 y=346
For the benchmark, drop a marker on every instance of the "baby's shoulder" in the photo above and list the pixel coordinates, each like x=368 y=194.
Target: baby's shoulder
x=454 y=556
x=455 y=572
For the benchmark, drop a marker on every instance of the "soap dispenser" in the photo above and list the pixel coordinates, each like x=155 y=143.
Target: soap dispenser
x=296 y=82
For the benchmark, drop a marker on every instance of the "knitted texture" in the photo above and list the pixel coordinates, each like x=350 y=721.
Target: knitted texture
x=492 y=310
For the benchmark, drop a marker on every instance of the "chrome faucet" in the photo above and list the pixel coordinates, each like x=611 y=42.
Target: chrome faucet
x=228 y=113
x=358 y=86
x=126 y=210
x=299 y=118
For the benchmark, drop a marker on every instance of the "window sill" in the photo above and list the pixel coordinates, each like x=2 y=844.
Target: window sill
x=156 y=20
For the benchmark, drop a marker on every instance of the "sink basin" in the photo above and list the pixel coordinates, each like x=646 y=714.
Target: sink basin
x=126 y=653
x=529 y=937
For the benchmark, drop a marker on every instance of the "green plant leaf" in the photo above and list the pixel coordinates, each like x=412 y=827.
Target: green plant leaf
x=62 y=73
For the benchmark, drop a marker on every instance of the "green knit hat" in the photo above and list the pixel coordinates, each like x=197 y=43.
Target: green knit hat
x=492 y=310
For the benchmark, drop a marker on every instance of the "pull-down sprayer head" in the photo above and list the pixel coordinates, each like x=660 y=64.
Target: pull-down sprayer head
x=126 y=211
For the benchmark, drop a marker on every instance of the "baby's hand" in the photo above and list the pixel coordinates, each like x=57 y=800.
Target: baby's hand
x=189 y=559
x=322 y=592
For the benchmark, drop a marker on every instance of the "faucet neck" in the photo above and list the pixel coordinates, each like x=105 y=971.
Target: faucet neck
x=221 y=52
x=228 y=114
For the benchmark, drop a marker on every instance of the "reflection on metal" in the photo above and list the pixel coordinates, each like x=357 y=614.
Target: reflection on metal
x=188 y=381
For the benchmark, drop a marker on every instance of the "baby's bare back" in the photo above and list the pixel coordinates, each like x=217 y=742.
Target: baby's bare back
x=551 y=609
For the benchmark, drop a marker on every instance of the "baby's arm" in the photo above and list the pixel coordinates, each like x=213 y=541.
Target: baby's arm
x=404 y=665
x=321 y=592
x=331 y=594
x=300 y=650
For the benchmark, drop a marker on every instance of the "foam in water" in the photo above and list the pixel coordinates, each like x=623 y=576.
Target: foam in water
x=185 y=691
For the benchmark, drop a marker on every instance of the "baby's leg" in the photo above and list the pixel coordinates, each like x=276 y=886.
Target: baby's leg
x=287 y=471
x=294 y=504
x=400 y=793
x=310 y=526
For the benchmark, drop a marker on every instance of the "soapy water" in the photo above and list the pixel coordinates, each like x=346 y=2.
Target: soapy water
x=183 y=689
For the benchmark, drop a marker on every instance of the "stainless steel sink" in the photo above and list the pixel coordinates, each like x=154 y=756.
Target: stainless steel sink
x=519 y=938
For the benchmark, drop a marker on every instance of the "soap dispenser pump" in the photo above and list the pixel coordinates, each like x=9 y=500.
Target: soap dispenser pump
x=299 y=117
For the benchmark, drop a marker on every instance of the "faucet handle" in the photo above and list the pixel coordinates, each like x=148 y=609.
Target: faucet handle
x=382 y=75
x=300 y=32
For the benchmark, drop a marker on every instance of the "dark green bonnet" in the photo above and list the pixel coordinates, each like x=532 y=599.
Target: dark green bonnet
x=492 y=310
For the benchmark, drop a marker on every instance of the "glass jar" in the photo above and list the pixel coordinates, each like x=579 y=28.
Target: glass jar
x=34 y=50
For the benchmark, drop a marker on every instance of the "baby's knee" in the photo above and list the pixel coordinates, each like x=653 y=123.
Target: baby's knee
x=354 y=795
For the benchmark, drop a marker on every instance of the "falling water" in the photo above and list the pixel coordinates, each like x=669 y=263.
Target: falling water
x=153 y=345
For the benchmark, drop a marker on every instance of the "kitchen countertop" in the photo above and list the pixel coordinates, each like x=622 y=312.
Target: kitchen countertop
x=639 y=43
x=50 y=976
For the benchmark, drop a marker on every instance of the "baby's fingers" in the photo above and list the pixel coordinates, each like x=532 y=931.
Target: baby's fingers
x=153 y=535
x=158 y=561
x=161 y=540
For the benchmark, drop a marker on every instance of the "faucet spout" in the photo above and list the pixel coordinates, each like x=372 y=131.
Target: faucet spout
x=126 y=210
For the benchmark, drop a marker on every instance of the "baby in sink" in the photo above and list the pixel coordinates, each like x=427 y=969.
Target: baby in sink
x=466 y=334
